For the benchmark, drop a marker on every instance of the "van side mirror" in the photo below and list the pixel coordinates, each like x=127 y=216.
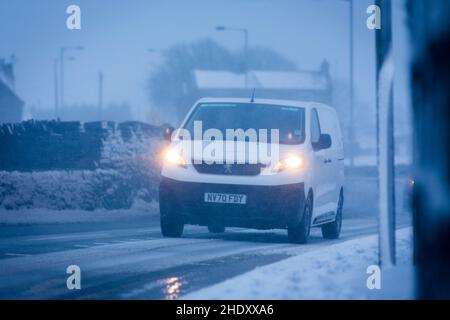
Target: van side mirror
x=168 y=133
x=324 y=142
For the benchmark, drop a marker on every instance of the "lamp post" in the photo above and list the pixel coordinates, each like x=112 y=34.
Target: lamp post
x=100 y=95
x=62 y=53
x=385 y=136
x=352 y=97
x=55 y=75
x=245 y=33
x=351 y=93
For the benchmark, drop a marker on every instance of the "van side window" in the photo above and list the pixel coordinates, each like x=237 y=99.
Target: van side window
x=315 y=127
x=329 y=125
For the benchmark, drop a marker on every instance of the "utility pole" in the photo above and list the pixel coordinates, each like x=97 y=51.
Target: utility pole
x=62 y=52
x=246 y=56
x=352 y=117
x=351 y=124
x=100 y=95
x=385 y=136
x=13 y=61
x=55 y=78
x=61 y=80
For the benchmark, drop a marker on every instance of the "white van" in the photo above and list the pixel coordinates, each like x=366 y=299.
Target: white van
x=298 y=186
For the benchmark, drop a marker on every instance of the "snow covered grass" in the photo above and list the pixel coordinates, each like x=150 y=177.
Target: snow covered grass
x=41 y=216
x=335 y=271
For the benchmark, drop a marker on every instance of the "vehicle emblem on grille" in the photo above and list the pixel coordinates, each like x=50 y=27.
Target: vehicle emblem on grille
x=227 y=168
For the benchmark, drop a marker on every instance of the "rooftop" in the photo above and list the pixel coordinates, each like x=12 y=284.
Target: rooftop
x=281 y=80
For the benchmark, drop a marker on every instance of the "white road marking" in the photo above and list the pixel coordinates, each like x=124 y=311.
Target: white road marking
x=17 y=254
x=67 y=236
x=90 y=234
x=147 y=230
x=81 y=245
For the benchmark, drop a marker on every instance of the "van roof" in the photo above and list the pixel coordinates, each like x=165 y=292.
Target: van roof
x=289 y=103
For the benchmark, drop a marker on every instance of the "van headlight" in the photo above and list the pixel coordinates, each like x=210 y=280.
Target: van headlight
x=174 y=157
x=290 y=162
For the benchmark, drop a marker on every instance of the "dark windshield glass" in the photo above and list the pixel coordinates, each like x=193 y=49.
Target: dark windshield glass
x=288 y=120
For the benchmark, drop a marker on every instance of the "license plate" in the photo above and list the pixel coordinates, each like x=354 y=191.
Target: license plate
x=225 y=198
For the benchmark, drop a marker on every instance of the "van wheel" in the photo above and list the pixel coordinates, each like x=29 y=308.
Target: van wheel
x=171 y=227
x=332 y=230
x=171 y=223
x=299 y=233
x=216 y=228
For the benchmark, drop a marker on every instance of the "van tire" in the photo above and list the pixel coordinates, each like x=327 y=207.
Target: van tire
x=299 y=232
x=171 y=227
x=214 y=228
x=332 y=230
x=171 y=222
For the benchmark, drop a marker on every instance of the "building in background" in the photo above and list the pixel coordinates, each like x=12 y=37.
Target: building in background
x=290 y=85
x=11 y=106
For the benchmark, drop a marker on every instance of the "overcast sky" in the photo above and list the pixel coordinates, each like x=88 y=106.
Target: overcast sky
x=117 y=34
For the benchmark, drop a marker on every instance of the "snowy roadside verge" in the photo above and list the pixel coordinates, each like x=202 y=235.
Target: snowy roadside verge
x=336 y=271
x=42 y=216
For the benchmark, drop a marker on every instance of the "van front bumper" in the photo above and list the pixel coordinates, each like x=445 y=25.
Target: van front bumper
x=267 y=207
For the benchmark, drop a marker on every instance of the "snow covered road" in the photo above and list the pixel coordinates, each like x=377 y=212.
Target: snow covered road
x=129 y=259
x=138 y=263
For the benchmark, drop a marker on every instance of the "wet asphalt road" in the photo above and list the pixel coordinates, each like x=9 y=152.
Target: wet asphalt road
x=131 y=260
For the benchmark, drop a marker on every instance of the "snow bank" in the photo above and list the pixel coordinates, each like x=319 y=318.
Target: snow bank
x=332 y=272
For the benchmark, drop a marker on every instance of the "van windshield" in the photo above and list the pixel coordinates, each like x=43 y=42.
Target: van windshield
x=290 y=121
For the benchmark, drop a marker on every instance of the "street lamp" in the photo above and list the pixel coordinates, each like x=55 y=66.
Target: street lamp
x=62 y=52
x=245 y=33
x=56 y=65
x=351 y=94
x=55 y=75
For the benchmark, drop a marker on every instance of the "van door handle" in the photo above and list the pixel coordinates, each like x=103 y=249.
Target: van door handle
x=327 y=161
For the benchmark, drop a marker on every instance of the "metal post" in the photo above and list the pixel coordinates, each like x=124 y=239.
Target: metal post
x=62 y=57
x=350 y=132
x=246 y=57
x=13 y=67
x=385 y=137
x=61 y=81
x=55 y=75
x=100 y=95
x=351 y=102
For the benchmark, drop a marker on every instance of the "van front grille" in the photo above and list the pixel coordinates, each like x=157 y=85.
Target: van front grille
x=235 y=169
